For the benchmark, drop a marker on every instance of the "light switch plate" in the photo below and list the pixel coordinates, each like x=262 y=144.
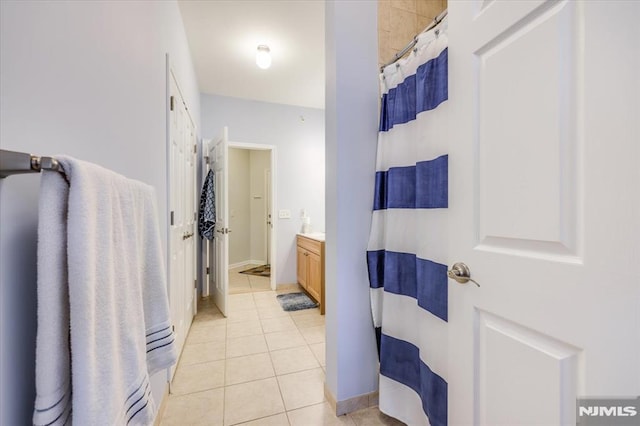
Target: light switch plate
x=284 y=214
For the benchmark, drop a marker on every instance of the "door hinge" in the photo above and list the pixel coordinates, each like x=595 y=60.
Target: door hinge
x=172 y=218
x=206 y=159
x=195 y=148
x=195 y=283
x=208 y=270
x=173 y=328
x=171 y=102
x=195 y=216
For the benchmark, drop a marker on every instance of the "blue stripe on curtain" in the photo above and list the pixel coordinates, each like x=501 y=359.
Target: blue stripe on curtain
x=408 y=275
x=423 y=186
x=411 y=97
x=400 y=361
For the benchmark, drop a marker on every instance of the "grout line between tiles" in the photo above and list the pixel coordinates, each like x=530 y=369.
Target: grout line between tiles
x=269 y=351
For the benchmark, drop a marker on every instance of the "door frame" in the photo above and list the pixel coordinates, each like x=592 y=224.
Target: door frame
x=272 y=250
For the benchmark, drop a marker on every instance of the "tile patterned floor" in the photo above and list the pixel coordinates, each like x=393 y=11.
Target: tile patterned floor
x=259 y=366
x=245 y=283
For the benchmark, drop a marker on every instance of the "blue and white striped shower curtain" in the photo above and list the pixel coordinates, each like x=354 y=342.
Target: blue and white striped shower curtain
x=407 y=247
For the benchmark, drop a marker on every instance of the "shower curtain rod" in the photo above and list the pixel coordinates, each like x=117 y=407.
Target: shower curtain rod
x=413 y=42
x=12 y=163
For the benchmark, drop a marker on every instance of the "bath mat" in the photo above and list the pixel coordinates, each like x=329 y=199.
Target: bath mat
x=295 y=301
x=261 y=271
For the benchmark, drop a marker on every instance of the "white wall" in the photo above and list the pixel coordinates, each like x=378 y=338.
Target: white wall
x=85 y=79
x=299 y=162
x=351 y=120
x=247 y=210
x=239 y=206
x=259 y=162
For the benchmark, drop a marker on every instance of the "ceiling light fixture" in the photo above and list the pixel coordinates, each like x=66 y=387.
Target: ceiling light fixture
x=263 y=57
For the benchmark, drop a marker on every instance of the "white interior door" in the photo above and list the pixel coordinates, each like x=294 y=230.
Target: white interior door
x=545 y=208
x=219 y=248
x=182 y=207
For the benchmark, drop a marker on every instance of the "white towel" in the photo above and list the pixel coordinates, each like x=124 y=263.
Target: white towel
x=119 y=316
x=53 y=368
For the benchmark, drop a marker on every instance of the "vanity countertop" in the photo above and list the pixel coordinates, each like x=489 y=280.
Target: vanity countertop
x=318 y=236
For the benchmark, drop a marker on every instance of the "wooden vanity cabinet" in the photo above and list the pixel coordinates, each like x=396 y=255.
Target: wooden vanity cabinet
x=310 y=265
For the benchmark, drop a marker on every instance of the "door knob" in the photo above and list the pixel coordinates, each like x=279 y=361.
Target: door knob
x=461 y=273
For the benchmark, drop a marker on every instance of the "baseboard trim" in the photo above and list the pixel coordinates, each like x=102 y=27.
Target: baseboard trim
x=352 y=404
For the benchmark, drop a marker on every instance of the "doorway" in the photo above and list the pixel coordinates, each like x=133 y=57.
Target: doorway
x=250 y=218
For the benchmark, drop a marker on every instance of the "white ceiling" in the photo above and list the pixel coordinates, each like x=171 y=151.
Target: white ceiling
x=223 y=37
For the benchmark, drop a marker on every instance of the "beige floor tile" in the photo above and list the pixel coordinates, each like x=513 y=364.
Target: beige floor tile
x=319 y=351
x=208 y=313
x=241 y=302
x=239 y=284
x=277 y=420
x=239 y=279
x=207 y=332
x=196 y=353
x=292 y=360
x=260 y=283
x=312 y=334
x=272 y=312
x=207 y=304
x=238 y=298
x=240 y=289
x=244 y=328
x=271 y=325
x=249 y=345
x=302 y=389
x=196 y=409
x=288 y=288
x=264 y=295
x=372 y=416
x=240 y=316
x=198 y=377
x=284 y=340
x=311 y=320
x=268 y=303
x=205 y=320
x=259 y=279
x=318 y=415
x=305 y=312
x=260 y=286
x=211 y=317
x=247 y=368
x=251 y=401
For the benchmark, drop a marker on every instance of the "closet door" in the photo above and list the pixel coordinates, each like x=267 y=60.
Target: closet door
x=182 y=207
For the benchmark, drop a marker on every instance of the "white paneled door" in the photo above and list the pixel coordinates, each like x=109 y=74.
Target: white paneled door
x=218 y=150
x=182 y=215
x=545 y=208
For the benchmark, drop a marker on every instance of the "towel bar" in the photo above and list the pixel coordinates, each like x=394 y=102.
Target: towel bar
x=12 y=163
